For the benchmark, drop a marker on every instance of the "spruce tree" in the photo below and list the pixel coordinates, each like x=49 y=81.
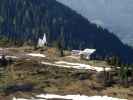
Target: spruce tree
x=124 y=74
x=60 y=43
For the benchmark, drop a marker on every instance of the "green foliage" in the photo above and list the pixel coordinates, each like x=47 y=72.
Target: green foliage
x=4 y=41
x=60 y=44
x=1 y=19
x=121 y=69
x=123 y=74
x=114 y=61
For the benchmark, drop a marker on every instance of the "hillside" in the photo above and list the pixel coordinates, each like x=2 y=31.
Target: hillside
x=103 y=12
x=32 y=73
x=23 y=21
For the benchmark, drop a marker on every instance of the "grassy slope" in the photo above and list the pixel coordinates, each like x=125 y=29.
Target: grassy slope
x=47 y=79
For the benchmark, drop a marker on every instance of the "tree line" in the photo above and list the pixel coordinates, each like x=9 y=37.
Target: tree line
x=124 y=72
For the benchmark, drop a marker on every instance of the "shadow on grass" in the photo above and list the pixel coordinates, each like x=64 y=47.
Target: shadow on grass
x=18 y=88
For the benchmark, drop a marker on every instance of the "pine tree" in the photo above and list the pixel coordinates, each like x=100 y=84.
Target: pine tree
x=131 y=66
x=60 y=43
x=124 y=75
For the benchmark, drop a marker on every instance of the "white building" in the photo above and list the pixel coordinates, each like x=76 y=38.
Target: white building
x=42 y=42
x=75 y=52
x=86 y=53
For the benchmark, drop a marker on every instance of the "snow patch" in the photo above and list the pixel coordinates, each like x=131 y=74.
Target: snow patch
x=69 y=97
x=75 y=66
x=82 y=66
x=13 y=57
x=36 y=55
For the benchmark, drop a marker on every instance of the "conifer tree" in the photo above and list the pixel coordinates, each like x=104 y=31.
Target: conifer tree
x=60 y=43
x=124 y=75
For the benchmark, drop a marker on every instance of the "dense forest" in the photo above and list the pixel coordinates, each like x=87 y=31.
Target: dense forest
x=23 y=21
